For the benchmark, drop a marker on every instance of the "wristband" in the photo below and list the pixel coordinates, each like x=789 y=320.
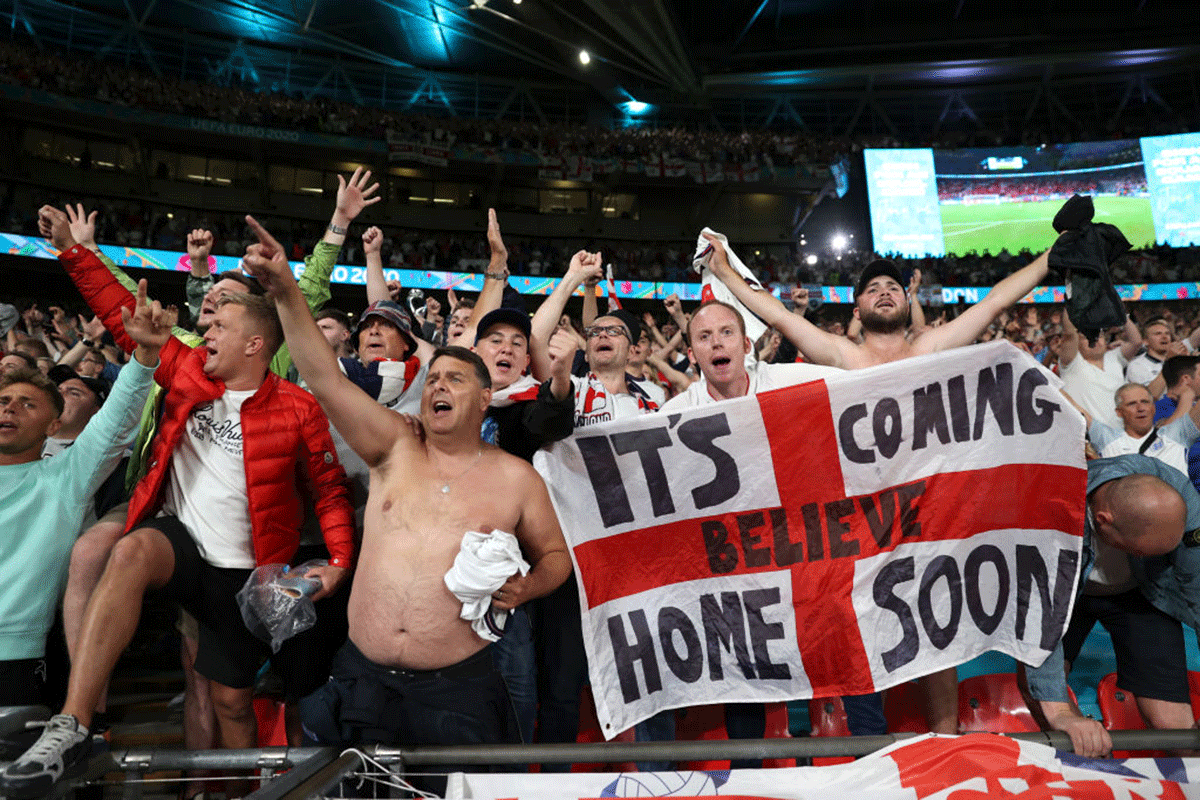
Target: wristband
x=335 y=229
x=88 y=343
x=497 y=276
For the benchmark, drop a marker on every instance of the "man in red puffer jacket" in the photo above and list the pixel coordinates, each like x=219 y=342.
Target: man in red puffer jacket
x=221 y=496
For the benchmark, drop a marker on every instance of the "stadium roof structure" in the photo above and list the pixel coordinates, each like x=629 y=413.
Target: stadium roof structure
x=909 y=68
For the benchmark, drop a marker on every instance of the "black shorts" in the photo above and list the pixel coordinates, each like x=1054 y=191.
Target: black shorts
x=229 y=653
x=1149 y=646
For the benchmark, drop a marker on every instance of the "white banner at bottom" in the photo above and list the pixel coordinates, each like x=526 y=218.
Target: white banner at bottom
x=971 y=767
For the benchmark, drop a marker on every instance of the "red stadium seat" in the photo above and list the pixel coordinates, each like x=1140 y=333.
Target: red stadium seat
x=272 y=729
x=993 y=703
x=702 y=723
x=589 y=731
x=827 y=717
x=902 y=705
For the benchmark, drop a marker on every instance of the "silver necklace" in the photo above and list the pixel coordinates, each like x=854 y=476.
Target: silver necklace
x=446 y=485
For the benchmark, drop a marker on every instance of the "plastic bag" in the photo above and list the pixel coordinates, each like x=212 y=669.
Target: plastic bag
x=276 y=602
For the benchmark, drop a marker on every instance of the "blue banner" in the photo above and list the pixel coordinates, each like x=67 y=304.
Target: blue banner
x=145 y=258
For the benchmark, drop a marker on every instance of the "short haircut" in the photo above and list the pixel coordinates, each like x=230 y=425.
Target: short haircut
x=468 y=356
x=337 y=315
x=1156 y=321
x=262 y=311
x=1175 y=367
x=252 y=286
x=741 y=321
x=33 y=347
x=465 y=302
x=1126 y=387
x=35 y=378
x=28 y=359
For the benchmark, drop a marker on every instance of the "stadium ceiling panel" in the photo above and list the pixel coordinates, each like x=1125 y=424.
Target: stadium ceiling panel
x=829 y=65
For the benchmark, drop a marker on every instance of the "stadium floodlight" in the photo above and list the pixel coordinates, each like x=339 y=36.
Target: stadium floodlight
x=585 y=57
x=811 y=259
x=478 y=3
x=636 y=107
x=838 y=242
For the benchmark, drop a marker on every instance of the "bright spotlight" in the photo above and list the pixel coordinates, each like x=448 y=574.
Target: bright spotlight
x=636 y=107
x=838 y=242
x=811 y=259
x=585 y=57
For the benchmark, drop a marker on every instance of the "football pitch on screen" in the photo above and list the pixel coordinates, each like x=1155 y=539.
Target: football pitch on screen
x=1027 y=225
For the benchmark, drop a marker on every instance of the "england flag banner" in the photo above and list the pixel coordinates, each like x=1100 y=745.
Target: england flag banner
x=837 y=537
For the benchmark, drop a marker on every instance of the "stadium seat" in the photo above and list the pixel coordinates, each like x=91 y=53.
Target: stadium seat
x=827 y=717
x=589 y=731
x=993 y=703
x=902 y=705
x=272 y=728
x=703 y=723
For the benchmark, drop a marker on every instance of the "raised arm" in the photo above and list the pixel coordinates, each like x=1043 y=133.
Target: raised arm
x=967 y=326
x=1068 y=348
x=583 y=265
x=916 y=321
x=1131 y=337
x=377 y=285
x=370 y=429
x=818 y=346
x=494 y=281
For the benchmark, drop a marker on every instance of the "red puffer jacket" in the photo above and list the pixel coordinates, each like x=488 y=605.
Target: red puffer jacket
x=285 y=435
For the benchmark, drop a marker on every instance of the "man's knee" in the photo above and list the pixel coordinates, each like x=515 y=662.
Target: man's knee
x=92 y=548
x=145 y=555
x=230 y=703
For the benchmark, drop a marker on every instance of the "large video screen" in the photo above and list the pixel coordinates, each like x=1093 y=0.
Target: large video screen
x=991 y=199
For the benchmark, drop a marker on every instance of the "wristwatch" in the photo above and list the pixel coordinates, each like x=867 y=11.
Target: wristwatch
x=335 y=229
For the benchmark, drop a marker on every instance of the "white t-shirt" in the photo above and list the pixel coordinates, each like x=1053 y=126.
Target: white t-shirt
x=595 y=404
x=1170 y=447
x=1143 y=369
x=763 y=378
x=206 y=487
x=1093 y=388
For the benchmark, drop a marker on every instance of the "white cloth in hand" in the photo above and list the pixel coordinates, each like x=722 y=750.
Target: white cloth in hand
x=712 y=287
x=484 y=562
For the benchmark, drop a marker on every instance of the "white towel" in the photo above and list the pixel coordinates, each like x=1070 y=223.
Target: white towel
x=711 y=287
x=484 y=562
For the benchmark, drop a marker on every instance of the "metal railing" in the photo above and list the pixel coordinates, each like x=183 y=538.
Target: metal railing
x=313 y=771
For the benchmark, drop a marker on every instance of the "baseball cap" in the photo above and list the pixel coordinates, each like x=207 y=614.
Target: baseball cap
x=509 y=316
x=631 y=322
x=61 y=373
x=390 y=312
x=880 y=266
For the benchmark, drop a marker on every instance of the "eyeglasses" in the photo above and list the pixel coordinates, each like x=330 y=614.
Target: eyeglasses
x=611 y=331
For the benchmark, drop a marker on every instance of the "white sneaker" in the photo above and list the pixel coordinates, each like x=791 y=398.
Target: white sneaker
x=63 y=743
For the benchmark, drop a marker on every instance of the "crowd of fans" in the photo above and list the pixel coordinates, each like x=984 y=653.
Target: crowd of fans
x=586 y=364
x=1130 y=182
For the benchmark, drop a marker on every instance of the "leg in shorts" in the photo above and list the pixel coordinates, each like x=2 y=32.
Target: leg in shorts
x=1149 y=646
x=229 y=653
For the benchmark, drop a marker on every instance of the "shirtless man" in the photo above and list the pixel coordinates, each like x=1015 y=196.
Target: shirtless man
x=881 y=305
x=430 y=675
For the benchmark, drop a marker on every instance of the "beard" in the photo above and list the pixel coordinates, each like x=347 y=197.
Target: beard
x=880 y=323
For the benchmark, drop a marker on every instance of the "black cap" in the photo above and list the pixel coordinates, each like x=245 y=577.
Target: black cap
x=631 y=322
x=61 y=373
x=510 y=316
x=880 y=266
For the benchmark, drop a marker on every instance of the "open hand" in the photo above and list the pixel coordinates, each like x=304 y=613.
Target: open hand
x=82 y=225
x=354 y=195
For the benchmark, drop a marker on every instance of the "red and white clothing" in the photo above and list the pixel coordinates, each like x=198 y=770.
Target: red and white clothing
x=595 y=404
x=206 y=485
x=763 y=378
